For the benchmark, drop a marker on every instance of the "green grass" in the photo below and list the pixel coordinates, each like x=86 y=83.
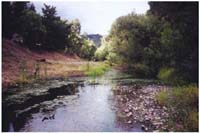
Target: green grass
x=169 y=75
x=165 y=74
x=97 y=70
x=184 y=101
x=162 y=98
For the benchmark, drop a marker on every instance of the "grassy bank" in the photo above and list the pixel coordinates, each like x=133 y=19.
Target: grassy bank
x=20 y=65
x=182 y=102
x=96 y=70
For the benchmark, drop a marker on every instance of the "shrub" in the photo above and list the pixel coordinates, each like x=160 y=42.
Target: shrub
x=191 y=121
x=139 y=70
x=103 y=50
x=183 y=104
x=87 y=49
x=113 y=58
x=162 y=98
x=166 y=74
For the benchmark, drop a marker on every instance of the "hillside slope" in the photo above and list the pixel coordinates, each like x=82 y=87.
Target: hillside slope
x=58 y=64
x=96 y=38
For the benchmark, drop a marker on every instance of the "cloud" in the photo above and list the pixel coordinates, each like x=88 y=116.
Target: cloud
x=98 y=16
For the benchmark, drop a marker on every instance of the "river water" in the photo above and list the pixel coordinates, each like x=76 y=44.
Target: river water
x=92 y=108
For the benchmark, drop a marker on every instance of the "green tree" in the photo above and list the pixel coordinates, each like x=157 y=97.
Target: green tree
x=7 y=19
x=74 y=37
x=55 y=38
x=33 y=30
x=102 y=51
x=183 y=18
x=88 y=49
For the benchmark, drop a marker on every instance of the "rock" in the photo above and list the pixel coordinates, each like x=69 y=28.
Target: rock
x=129 y=114
x=121 y=99
x=157 y=123
x=129 y=122
x=52 y=117
x=126 y=110
x=68 y=89
x=45 y=118
x=60 y=102
x=144 y=128
x=164 y=108
x=135 y=108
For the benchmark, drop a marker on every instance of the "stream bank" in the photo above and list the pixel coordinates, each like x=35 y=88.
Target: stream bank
x=137 y=104
x=79 y=104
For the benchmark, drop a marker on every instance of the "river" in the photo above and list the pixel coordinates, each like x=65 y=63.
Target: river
x=90 y=108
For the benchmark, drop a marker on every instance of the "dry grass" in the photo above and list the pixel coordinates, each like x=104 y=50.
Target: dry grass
x=58 y=64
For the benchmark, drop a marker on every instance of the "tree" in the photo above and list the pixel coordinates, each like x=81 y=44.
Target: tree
x=32 y=30
x=11 y=13
x=74 y=37
x=183 y=18
x=6 y=19
x=55 y=38
x=102 y=51
x=87 y=49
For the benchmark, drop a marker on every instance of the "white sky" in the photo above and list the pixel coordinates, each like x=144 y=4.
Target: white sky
x=97 y=16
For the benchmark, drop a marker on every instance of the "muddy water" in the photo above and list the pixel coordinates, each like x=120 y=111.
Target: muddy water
x=91 y=108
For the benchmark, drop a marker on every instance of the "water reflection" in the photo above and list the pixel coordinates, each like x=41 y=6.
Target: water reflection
x=91 y=109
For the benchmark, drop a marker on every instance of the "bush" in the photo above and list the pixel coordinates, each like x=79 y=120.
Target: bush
x=102 y=51
x=113 y=58
x=166 y=74
x=182 y=102
x=88 y=49
x=162 y=98
x=139 y=70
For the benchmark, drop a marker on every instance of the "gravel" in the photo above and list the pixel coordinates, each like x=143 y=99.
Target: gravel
x=137 y=104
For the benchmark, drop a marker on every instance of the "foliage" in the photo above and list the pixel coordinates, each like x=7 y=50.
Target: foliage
x=56 y=29
x=33 y=30
x=166 y=74
x=75 y=40
x=162 y=98
x=113 y=58
x=41 y=32
x=182 y=102
x=102 y=51
x=138 y=70
x=88 y=49
x=11 y=12
x=159 y=40
x=134 y=39
x=183 y=18
x=97 y=70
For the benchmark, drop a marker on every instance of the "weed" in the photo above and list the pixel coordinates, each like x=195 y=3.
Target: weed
x=165 y=74
x=183 y=104
x=97 y=70
x=23 y=72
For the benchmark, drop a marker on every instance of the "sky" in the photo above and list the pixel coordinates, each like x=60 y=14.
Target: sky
x=96 y=17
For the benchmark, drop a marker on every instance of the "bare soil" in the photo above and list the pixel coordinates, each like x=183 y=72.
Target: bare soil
x=57 y=64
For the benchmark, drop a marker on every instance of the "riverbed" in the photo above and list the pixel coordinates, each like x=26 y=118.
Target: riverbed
x=89 y=106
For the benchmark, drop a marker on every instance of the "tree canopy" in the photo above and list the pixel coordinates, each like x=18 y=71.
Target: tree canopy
x=166 y=38
x=42 y=32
